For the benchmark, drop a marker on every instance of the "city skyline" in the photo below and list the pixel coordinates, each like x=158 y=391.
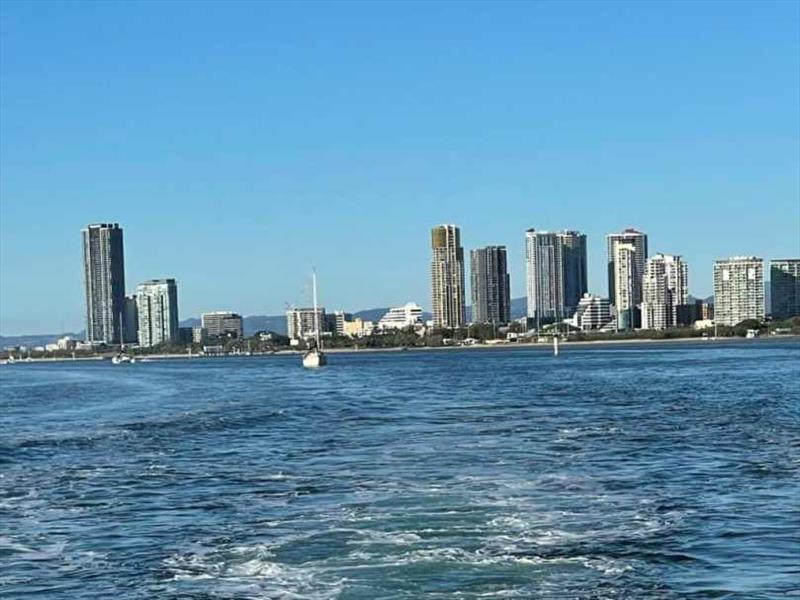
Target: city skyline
x=489 y=117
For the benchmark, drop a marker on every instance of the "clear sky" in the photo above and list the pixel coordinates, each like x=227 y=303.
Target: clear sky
x=240 y=144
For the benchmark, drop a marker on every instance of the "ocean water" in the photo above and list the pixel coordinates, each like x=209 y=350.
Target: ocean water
x=632 y=471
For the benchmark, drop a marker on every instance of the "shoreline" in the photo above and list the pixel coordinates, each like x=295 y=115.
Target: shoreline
x=544 y=346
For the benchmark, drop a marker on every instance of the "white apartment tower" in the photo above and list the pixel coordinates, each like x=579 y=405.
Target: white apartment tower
x=665 y=288
x=738 y=290
x=447 y=277
x=302 y=323
x=627 y=256
x=157 y=301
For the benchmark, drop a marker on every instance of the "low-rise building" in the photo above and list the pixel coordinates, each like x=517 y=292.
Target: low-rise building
x=199 y=335
x=408 y=315
x=222 y=323
x=335 y=321
x=66 y=343
x=593 y=312
x=358 y=328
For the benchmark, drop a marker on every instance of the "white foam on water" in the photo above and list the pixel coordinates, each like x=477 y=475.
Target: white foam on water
x=387 y=537
x=253 y=569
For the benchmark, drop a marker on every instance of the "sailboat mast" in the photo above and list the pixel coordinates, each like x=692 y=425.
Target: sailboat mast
x=316 y=313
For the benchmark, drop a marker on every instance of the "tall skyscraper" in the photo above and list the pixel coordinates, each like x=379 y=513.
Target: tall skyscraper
x=104 y=281
x=784 y=281
x=665 y=291
x=639 y=242
x=738 y=289
x=627 y=256
x=627 y=286
x=447 y=277
x=490 y=284
x=157 y=300
x=573 y=257
x=555 y=266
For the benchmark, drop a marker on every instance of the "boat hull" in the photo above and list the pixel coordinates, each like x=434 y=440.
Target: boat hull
x=314 y=360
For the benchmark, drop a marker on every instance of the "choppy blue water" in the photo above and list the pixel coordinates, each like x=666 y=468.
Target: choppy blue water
x=664 y=471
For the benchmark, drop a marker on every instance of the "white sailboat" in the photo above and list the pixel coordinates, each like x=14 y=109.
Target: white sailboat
x=315 y=357
x=121 y=358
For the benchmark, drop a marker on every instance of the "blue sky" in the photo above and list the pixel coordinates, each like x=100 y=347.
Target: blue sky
x=240 y=144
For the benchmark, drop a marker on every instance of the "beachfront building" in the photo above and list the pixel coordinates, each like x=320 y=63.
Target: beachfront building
x=335 y=321
x=627 y=256
x=157 y=302
x=408 y=315
x=665 y=292
x=222 y=323
x=358 y=328
x=784 y=281
x=738 y=290
x=593 y=312
x=302 y=323
x=447 y=277
x=490 y=285
x=104 y=282
x=555 y=269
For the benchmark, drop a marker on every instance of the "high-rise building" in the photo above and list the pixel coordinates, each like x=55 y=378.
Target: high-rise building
x=627 y=286
x=738 y=290
x=638 y=240
x=104 y=280
x=490 y=284
x=784 y=281
x=301 y=323
x=574 y=269
x=627 y=256
x=447 y=277
x=555 y=265
x=157 y=300
x=222 y=323
x=665 y=292
x=130 y=320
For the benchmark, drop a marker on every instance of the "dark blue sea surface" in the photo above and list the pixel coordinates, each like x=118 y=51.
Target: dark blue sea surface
x=631 y=472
